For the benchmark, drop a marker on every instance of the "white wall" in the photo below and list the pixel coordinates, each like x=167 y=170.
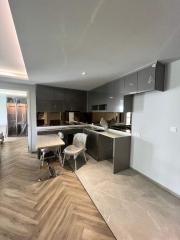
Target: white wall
x=31 y=100
x=3 y=114
x=155 y=149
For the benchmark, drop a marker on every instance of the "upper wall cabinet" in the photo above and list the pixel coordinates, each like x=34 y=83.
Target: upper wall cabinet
x=131 y=84
x=151 y=78
x=118 y=101
x=119 y=86
x=51 y=99
x=97 y=99
x=109 y=98
x=113 y=96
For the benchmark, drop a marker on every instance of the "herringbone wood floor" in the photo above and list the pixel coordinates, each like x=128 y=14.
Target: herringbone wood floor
x=58 y=208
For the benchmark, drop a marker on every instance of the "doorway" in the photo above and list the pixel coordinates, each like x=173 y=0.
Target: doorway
x=13 y=111
x=17 y=116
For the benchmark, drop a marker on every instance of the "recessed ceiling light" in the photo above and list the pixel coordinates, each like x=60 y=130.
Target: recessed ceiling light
x=84 y=73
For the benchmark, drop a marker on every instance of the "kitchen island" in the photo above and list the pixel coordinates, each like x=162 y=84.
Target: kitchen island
x=111 y=145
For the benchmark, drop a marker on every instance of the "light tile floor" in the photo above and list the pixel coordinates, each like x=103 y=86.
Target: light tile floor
x=134 y=207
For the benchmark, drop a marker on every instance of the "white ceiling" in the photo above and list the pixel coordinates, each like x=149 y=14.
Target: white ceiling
x=11 y=60
x=105 y=38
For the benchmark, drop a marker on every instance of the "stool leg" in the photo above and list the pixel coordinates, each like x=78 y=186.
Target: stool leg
x=59 y=155
x=75 y=162
x=85 y=157
x=64 y=158
x=42 y=159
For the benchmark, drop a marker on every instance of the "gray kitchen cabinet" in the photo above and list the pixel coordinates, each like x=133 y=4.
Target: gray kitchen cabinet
x=128 y=103
x=92 y=143
x=119 y=86
x=116 y=150
x=131 y=84
x=98 y=146
x=58 y=94
x=110 y=97
x=44 y=92
x=102 y=93
x=74 y=100
x=102 y=98
x=97 y=99
x=89 y=100
x=151 y=78
x=43 y=105
x=113 y=96
x=92 y=100
x=51 y=99
x=122 y=103
x=121 y=153
x=49 y=105
x=118 y=105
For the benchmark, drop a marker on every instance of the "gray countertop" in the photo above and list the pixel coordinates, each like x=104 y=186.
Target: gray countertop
x=108 y=133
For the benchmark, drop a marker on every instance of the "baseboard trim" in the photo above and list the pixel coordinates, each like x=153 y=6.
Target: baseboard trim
x=158 y=184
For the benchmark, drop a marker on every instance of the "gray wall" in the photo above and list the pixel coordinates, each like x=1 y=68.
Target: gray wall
x=155 y=149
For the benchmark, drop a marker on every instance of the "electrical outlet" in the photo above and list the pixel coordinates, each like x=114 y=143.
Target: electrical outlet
x=173 y=129
x=136 y=134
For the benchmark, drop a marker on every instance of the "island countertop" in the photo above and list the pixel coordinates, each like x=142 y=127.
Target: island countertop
x=109 y=132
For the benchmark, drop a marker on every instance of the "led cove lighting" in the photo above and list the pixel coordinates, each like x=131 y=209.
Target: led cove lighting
x=13 y=93
x=6 y=73
x=12 y=63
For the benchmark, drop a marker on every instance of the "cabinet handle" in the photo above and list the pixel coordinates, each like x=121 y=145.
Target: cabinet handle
x=131 y=84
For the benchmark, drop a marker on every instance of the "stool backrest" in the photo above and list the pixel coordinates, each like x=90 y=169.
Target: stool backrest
x=79 y=140
x=61 y=135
